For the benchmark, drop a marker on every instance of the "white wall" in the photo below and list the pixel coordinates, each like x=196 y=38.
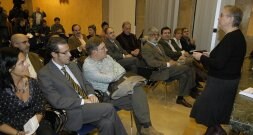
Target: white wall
x=120 y=11
x=204 y=22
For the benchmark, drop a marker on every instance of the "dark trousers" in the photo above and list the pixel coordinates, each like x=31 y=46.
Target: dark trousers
x=104 y=117
x=137 y=102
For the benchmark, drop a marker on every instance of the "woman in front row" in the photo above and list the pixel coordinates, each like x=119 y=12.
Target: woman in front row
x=20 y=96
x=224 y=64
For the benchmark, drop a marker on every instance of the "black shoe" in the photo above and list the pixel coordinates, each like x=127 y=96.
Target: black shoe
x=198 y=85
x=195 y=93
x=183 y=102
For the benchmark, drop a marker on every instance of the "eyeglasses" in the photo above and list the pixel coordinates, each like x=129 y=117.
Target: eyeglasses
x=111 y=32
x=23 y=42
x=102 y=49
x=64 y=53
x=222 y=15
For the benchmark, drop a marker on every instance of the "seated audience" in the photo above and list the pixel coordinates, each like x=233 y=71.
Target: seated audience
x=183 y=57
x=118 y=53
x=128 y=40
x=20 y=26
x=155 y=56
x=92 y=31
x=176 y=38
x=57 y=28
x=104 y=25
x=21 y=42
x=77 y=42
x=21 y=98
x=64 y=87
x=44 y=29
x=100 y=70
x=188 y=44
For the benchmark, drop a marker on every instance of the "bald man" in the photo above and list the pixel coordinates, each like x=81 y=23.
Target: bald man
x=21 y=42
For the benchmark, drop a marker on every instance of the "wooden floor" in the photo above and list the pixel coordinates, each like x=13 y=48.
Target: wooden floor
x=173 y=119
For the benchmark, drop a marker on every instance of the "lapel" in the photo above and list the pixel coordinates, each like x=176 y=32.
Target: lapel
x=156 y=49
x=77 y=74
x=57 y=73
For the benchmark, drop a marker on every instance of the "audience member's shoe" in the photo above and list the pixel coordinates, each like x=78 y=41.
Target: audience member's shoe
x=195 y=93
x=150 y=131
x=183 y=102
x=198 y=85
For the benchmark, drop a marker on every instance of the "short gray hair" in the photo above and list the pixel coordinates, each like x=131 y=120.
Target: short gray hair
x=152 y=30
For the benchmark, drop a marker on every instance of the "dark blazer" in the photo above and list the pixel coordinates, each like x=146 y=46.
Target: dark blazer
x=128 y=42
x=61 y=94
x=155 y=58
x=113 y=51
x=36 y=61
x=168 y=50
x=74 y=42
x=186 y=44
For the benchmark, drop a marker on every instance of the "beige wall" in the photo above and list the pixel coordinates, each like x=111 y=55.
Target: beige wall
x=186 y=13
x=120 y=11
x=83 y=12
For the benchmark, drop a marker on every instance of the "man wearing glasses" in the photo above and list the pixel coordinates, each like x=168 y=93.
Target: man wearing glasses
x=64 y=87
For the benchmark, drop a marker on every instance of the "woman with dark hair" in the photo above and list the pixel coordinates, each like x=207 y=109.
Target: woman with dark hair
x=20 y=96
x=224 y=64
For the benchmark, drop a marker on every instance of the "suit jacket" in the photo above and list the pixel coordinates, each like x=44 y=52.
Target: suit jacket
x=61 y=94
x=128 y=42
x=74 y=42
x=168 y=50
x=36 y=61
x=154 y=58
x=113 y=51
x=186 y=44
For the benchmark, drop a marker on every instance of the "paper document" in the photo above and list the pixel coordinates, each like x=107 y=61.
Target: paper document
x=31 y=125
x=247 y=92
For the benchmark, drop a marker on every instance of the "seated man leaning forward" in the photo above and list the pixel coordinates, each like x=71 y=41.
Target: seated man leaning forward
x=155 y=56
x=100 y=70
x=64 y=87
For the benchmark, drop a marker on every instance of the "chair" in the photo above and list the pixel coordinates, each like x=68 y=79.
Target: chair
x=58 y=119
x=146 y=71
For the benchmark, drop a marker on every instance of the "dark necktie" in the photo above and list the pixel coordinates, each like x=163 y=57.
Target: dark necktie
x=76 y=86
x=115 y=45
x=157 y=47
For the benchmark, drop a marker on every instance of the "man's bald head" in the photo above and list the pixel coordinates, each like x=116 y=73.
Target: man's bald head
x=20 y=41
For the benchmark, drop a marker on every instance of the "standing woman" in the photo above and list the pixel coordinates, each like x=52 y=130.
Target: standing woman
x=20 y=96
x=224 y=64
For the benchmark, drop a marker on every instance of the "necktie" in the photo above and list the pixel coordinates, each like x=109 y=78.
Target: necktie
x=116 y=45
x=76 y=86
x=157 y=47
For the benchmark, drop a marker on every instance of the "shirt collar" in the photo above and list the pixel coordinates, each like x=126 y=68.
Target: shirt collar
x=58 y=66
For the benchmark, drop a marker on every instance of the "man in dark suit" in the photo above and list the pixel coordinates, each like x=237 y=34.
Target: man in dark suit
x=128 y=40
x=77 y=42
x=36 y=63
x=169 y=69
x=64 y=87
x=115 y=50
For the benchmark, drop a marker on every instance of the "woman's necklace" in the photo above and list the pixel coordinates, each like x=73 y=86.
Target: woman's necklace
x=22 y=85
